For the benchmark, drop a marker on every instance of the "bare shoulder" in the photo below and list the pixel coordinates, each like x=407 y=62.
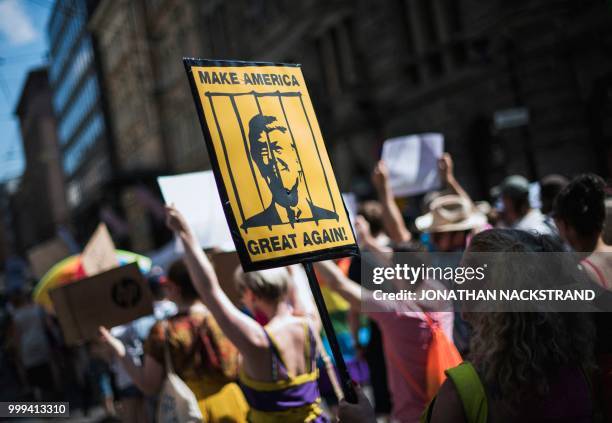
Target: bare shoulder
x=290 y=326
x=602 y=258
x=602 y=262
x=287 y=332
x=448 y=407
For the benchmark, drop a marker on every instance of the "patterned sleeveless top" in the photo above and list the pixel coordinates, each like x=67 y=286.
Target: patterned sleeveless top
x=287 y=398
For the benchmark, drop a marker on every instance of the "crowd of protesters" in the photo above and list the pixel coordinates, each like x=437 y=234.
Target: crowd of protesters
x=265 y=359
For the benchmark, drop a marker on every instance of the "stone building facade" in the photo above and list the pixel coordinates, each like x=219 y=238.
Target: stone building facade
x=175 y=31
x=382 y=69
x=141 y=44
x=515 y=87
x=156 y=132
x=119 y=28
x=83 y=131
x=39 y=204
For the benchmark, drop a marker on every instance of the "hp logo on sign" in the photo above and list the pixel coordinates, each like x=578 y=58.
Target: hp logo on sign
x=126 y=293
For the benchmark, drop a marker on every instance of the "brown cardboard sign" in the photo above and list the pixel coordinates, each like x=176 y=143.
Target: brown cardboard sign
x=99 y=254
x=43 y=256
x=108 y=299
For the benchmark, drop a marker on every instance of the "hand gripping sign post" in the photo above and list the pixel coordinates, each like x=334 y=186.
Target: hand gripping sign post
x=275 y=180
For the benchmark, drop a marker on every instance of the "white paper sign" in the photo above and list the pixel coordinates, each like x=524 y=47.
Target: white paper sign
x=350 y=201
x=413 y=163
x=195 y=195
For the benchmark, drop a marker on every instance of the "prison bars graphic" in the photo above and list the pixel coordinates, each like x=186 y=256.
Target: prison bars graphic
x=257 y=96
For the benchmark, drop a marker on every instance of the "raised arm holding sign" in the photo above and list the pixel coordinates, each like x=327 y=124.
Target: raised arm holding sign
x=275 y=180
x=286 y=339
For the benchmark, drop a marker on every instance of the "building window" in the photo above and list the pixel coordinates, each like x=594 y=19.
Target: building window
x=86 y=99
x=55 y=24
x=425 y=13
x=452 y=9
x=336 y=51
x=78 y=66
x=434 y=37
x=169 y=60
x=217 y=29
x=64 y=43
x=87 y=138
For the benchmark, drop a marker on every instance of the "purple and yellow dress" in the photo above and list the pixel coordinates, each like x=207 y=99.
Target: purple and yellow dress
x=287 y=398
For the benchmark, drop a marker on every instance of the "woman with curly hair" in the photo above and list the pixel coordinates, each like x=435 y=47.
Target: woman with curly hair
x=523 y=367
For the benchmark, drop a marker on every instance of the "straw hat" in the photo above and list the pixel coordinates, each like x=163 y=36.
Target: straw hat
x=450 y=213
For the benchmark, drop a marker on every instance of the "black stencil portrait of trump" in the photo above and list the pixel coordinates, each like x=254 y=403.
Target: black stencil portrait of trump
x=273 y=150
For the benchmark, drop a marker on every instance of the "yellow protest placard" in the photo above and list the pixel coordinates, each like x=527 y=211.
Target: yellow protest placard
x=274 y=176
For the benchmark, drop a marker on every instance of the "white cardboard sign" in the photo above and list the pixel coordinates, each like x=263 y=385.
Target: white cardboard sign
x=350 y=201
x=195 y=195
x=412 y=162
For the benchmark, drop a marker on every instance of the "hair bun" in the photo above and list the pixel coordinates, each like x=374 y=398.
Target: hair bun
x=581 y=204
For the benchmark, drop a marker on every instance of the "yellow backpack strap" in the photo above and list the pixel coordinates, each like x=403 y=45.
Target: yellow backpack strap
x=471 y=392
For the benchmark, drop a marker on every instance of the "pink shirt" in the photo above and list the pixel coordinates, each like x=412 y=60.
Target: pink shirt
x=406 y=335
